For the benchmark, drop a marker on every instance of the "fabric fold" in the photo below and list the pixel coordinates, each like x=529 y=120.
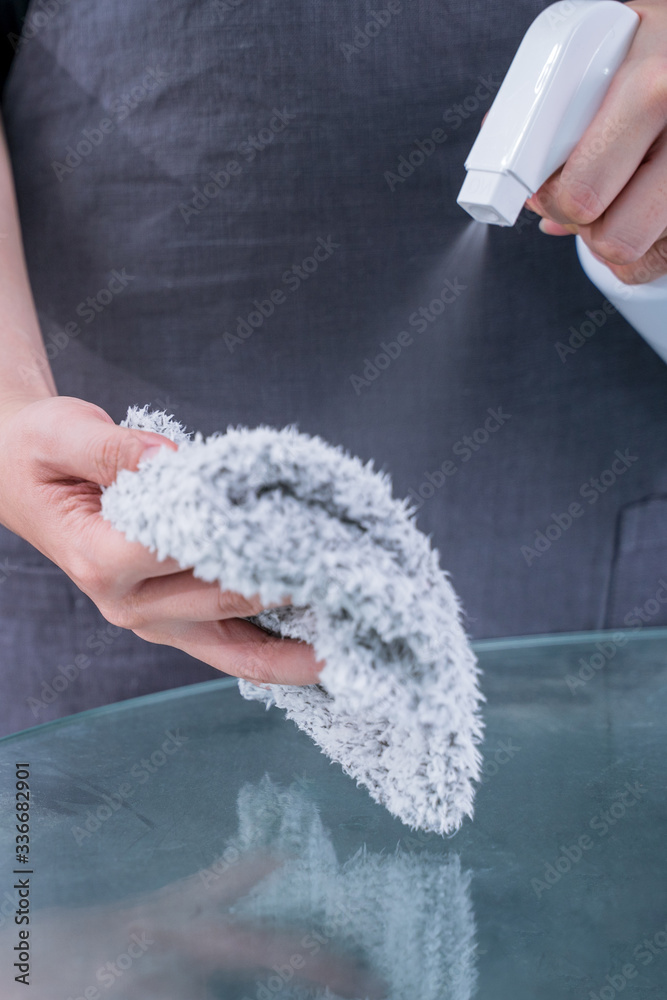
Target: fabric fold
x=275 y=512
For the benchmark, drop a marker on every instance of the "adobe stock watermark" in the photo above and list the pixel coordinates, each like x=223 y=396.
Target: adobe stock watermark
x=503 y=754
x=644 y=954
x=458 y=113
x=238 y=846
x=591 y=491
x=526 y=218
x=558 y=13
x=140 y=772
x=220 y=8
x=38 y=16
x=589 y=151
x=606 y=649
x=292 y=279
x=109 y=973
x=464 y=448
x=601 y=824
x=587 y=329
x=309 y=946
x=454 y=116
x=118 y=110
x=6 y=569
x=167 y=404
x=55 y=341
x=68 y=673
x=246 y=152
x=419 y=320
x=654 y=265
x=378 y=21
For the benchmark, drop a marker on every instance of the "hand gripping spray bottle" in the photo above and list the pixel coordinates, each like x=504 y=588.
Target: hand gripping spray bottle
x=550 y=95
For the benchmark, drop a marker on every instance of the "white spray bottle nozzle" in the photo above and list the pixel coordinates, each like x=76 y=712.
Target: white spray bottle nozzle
x=491 y=197
x=550 y=95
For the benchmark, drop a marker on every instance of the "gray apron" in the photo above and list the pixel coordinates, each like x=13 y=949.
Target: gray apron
x=244 y=211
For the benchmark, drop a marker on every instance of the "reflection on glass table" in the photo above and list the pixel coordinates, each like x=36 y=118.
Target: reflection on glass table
x=193 y=846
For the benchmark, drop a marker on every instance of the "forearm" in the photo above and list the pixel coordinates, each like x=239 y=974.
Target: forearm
x=25 y=372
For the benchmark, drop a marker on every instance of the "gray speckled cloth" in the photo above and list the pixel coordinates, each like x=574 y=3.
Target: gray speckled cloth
x=140 y=103
x=275 y=512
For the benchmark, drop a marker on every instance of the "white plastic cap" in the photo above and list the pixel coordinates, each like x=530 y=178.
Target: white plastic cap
x=492 y=197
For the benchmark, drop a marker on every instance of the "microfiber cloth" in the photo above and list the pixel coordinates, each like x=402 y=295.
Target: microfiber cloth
x=277 y=512
x=405 y=914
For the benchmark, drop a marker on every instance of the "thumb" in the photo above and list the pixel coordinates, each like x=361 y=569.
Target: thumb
x=95 y=450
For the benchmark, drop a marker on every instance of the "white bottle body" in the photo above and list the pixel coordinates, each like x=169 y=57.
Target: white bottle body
x=644 y=306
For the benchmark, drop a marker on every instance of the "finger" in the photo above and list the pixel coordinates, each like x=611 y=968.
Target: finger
x=638 y=217
x=611 y=149
x=88 y=447
x=146 y=591
x=652 y=265
x=543 y=201
x=241 y=649
x=237 y=947
x=222 y=882
x=100 y=560
x=169 y=984
x=183 y=597
x=555 y=229
x=106 y=565
x=236 y=878
x=128 y=562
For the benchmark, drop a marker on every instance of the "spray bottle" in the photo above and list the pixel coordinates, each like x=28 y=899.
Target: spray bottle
x=550 y=95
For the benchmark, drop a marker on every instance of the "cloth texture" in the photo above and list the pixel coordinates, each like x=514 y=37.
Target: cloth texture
x=179 y=163
x=274 y=512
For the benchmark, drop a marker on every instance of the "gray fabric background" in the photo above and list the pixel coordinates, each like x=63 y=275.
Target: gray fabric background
x=222 y=69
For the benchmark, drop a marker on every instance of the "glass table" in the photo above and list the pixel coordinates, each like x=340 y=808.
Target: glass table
x=193 y=845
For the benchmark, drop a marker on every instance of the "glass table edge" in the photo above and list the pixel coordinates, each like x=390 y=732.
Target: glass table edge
x=566 y=638
x=127 y=704
x=478 y=645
